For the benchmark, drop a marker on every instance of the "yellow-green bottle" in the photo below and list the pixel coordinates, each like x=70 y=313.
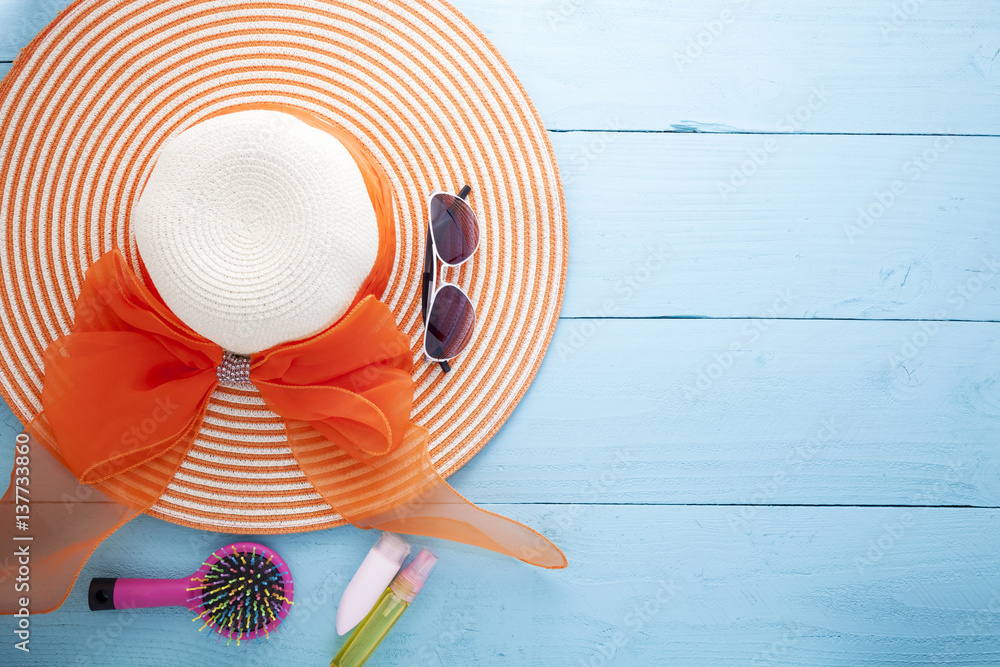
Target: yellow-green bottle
x=394 y=601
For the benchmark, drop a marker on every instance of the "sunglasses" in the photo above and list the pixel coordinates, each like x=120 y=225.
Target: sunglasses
x=448 y=314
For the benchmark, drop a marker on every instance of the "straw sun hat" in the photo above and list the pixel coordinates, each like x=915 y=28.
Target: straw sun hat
x=227 y=151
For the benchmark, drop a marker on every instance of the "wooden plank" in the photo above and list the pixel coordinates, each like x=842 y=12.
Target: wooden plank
x=764 y=66
x=22 y=20
x=646 y=585
x=854 y=66
x=809 y=220
x=827 y=412
x=811 y=412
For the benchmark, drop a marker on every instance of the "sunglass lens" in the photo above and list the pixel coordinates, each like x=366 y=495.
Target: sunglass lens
x=450 y=323
x=455 y=228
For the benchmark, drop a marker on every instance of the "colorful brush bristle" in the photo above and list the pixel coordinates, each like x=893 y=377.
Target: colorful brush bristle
x=242 y=591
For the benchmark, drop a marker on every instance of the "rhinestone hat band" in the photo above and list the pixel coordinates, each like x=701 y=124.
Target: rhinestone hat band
x=234 y=368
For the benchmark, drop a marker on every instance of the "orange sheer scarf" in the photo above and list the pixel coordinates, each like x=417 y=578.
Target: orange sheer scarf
x=348 y=389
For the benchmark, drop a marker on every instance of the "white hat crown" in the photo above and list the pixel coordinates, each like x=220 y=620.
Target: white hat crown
x=256 y=229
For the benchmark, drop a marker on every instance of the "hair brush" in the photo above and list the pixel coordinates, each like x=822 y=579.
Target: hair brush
x=241 y=591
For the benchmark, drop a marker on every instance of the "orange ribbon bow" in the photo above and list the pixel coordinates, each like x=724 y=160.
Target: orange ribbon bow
x=352 y=382
x=126 y=392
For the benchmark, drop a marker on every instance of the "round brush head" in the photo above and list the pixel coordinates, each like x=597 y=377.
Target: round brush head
x=242 y=591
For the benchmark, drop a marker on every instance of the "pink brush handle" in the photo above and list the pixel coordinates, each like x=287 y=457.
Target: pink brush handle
x=141 y=593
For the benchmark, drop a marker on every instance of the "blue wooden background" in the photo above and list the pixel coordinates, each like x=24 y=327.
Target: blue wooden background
x=767 y=430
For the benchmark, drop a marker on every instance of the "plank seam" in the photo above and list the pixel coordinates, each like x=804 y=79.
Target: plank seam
x=611 y=504
x=638 y=504
x=766 y=133
x=769 y=319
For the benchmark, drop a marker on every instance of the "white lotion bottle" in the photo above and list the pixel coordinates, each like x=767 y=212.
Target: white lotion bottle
x=370 y=581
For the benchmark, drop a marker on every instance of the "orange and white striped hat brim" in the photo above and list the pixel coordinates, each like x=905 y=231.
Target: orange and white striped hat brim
x=87 y=106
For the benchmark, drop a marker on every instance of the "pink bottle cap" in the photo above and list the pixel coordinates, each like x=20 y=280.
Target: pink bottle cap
x=412 y=578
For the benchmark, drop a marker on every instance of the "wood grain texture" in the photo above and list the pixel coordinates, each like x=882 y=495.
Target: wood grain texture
x=717 y=225
x=647 y=585
x=22 y=20
x=906 y=66
x=662 y=411
x=761 y=66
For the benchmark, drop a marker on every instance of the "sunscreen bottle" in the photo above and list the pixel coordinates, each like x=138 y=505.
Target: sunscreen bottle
x=376 y=572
